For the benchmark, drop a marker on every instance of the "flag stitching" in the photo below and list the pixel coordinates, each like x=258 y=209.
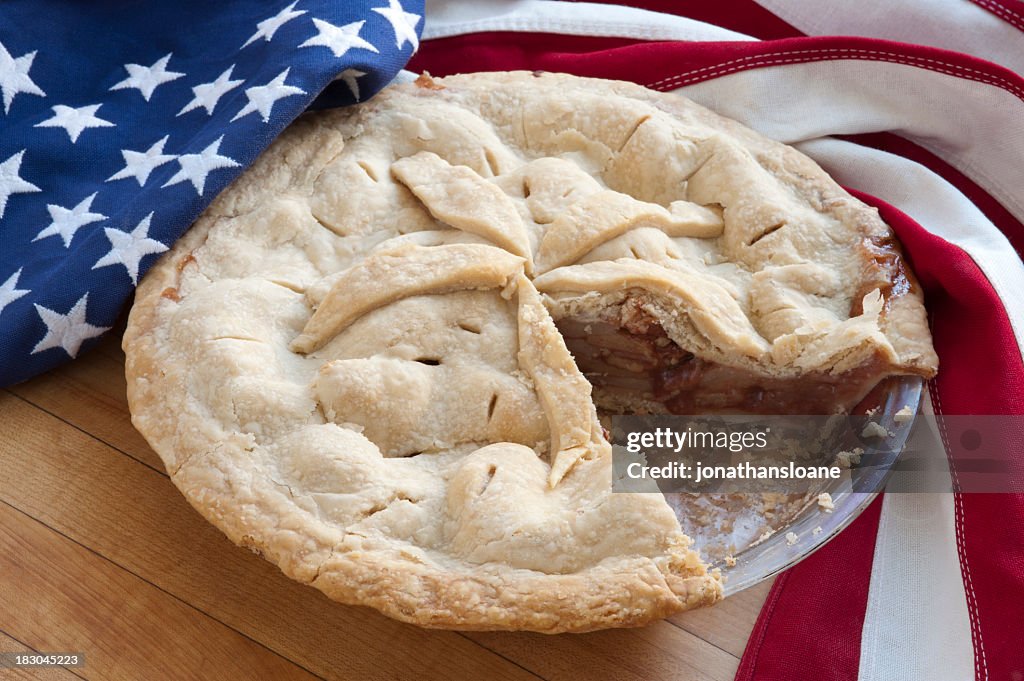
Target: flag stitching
x=754 y=61
x=1002 y=12
x=980 y=661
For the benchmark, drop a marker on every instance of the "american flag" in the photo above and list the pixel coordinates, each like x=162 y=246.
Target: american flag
x=119 y=128
x=122 y=121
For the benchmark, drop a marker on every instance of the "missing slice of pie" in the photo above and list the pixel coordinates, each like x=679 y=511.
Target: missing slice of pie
x=379 y=358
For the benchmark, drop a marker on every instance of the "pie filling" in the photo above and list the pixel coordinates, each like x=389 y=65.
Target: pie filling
x=634 y=367
x=890 y=275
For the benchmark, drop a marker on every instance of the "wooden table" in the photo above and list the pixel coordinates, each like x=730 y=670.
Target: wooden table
x=99 y=553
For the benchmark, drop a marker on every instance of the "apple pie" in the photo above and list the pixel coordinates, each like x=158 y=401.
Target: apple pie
x=380 y=359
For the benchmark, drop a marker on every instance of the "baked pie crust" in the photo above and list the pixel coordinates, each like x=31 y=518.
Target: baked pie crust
x=354 y=362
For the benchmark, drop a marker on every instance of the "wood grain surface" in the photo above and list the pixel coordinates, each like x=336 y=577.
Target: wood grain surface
x=100 y=554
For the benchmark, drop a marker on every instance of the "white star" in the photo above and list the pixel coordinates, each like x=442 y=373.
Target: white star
x=208 y=94
x=349 y=76
x=145 y=79
x=74 y=121
x=129 y=248
x=268 y=27
x=262 y=98
x=340 y=39
x=403 y=23
x=195 y=167
x=68 y=221
x=67 y=331
x=14 y=76
x=9 y=291
x=11 y=182
x=139 y=164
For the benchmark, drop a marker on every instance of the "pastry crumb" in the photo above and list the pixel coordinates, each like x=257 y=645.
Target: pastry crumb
x=903 y=415
x=825 y=501
x=872 y=429
x=730 y=561
x=766 y=535
x=816 y=531
x=791 y=538
x=849 y=459
x=424 y=80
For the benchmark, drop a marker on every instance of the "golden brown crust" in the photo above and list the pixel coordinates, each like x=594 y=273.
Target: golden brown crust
x=486 y=502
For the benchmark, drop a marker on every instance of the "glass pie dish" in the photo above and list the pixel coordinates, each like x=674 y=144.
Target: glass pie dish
x=758 y=546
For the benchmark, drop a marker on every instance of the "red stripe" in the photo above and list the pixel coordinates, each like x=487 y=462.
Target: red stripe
x=1010 y=12
x=669 y=65
x=991 y=546
x=981 y=372
x=742 y=16
x=809 y=627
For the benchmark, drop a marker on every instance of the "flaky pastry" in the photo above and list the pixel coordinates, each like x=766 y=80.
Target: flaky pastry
x=380 y=357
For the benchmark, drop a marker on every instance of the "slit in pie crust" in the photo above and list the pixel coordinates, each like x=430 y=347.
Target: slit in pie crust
x=368 y=360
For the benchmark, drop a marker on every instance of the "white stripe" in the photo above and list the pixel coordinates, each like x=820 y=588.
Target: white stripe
x=916 y=625
x=446 y=18
x=950 y=24
x=972 y=126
